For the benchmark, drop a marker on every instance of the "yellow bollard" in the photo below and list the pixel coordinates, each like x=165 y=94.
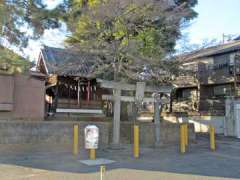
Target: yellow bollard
x=186 y=134
x=75 y=139
x=182 y=139
x=136 y=141
x=102 y=172
x=92 y=154
x=212 y=138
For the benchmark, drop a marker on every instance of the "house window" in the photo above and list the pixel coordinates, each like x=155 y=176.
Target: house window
x=231 y=69
x=222 y=90
x=191 y=67
x=186 y=94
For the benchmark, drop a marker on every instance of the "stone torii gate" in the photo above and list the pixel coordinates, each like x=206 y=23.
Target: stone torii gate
x=140 y=88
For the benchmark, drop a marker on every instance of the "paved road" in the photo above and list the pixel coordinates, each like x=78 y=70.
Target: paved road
x=33 y=162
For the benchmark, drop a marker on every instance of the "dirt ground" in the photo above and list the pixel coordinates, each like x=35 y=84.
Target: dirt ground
x=55 y=162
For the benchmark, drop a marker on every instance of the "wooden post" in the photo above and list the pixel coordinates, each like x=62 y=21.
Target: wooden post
x=116 y=116
x=56 y=96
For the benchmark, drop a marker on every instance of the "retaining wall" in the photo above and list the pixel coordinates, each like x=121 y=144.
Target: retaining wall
x=169 y=133
x=58 y=132
x=201 y=122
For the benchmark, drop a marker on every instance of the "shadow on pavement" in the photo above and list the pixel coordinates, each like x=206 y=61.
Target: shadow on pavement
x=198 y=160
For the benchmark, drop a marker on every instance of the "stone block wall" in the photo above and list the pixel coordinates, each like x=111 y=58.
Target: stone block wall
x=169 y=133
x=21 y=132
x=61 y=132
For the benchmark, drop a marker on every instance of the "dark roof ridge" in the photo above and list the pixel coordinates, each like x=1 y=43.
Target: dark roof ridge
x=211 y=51
x=66 y=61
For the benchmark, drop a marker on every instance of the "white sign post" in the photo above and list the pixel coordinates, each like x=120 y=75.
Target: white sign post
x=91 y=137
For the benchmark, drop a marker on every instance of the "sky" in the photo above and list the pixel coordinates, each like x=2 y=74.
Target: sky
x=216 y=17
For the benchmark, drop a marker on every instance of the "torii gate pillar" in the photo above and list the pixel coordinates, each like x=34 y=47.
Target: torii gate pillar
x=116 y=116
x=140 y=87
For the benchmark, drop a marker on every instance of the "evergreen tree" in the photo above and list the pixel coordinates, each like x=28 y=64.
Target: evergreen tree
x=11 y=63
x=131 y=37
x=21 y=20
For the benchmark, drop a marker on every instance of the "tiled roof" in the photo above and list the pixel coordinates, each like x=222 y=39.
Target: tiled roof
x=68 y=62
x=237 y=38
x=212 y=51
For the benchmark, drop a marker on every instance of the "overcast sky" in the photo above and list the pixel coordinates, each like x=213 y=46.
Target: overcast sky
x=215 y=18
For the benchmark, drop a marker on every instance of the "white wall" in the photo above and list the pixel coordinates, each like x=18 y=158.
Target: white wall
x=201 y=123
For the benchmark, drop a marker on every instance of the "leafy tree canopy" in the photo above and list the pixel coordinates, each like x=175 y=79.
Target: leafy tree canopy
x=131 y=36
x=11 y=63
x=21 y=20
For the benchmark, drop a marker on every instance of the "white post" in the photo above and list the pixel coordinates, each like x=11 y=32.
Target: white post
x=116 y=116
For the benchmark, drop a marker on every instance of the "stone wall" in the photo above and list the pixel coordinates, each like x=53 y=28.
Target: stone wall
x=59 y=132
x=169 y=133
x=21 y=132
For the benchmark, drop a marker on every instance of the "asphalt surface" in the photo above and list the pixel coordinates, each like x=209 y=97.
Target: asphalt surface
x=56 y=162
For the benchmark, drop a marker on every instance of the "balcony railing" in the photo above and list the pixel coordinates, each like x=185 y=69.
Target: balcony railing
x=186 y=80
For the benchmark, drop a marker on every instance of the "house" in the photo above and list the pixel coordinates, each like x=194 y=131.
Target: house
x=71 y=86
x=237 y=38
x=215 y=76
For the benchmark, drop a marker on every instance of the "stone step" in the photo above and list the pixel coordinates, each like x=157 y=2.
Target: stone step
x=80 y=111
